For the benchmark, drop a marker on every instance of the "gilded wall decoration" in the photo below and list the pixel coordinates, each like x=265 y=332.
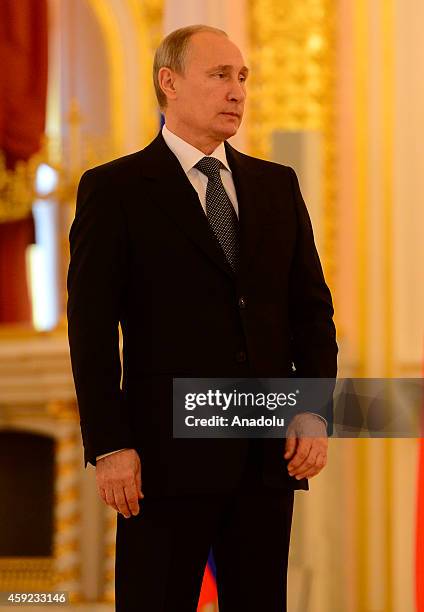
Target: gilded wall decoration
x=291 y=86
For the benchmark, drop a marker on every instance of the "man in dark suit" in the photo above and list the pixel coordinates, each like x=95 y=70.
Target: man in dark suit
x=206 y=258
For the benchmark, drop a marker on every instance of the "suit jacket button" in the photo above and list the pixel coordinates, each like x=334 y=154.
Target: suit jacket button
x=242 y=302
x=241 y=357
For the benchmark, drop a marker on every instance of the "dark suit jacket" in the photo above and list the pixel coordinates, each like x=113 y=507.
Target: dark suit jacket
x=143 y=254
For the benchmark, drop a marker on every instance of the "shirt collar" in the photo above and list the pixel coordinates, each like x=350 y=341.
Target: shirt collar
x=188 y=155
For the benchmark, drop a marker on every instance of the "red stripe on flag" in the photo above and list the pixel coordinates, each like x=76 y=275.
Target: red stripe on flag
x=419 y=551
x=208 y=593
x=419 y=572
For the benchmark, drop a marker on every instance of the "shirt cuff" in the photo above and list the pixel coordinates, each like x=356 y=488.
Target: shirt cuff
x=111 y=453
x=318 y=415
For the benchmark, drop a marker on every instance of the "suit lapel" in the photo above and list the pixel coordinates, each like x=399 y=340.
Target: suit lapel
x=176 y=196
x=252 y=202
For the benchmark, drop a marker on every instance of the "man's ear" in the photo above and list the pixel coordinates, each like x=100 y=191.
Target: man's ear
x=166 y=78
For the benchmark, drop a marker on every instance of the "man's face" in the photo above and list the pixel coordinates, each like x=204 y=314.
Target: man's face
x=210 y=95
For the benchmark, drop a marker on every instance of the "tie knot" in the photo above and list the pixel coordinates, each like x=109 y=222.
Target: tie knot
x=209 y=166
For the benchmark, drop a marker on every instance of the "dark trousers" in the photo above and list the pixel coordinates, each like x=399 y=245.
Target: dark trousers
x=161 y=553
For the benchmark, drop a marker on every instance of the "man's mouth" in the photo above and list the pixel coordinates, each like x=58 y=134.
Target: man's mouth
x=232 y=114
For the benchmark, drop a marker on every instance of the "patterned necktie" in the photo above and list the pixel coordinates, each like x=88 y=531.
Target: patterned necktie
x=220 y=211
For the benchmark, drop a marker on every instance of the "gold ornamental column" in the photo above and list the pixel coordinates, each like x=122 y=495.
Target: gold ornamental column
x=109 y=547
x=67 y=554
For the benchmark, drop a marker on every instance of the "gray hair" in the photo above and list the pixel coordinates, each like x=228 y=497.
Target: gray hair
x=172 y=53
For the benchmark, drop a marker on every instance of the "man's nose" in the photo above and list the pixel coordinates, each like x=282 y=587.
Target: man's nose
x=237 y=91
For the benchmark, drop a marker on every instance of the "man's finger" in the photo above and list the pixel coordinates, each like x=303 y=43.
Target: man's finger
x=320 y=462
x=131 y=495
x=110 y=499
x=138 y=483
x=102 y=494
x=302 y=451
x=308 y=462
x=290 y=447
x=308 y=474
x=121 y=501
x=318 y=449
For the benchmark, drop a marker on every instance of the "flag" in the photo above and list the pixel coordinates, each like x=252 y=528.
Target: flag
x=208 y=593
x=419 y=545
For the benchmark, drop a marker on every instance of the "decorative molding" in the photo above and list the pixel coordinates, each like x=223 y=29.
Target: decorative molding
x=114 y=17
x=67 y=554
x=17 y=188
x=35 y=374
x=37 y=395
x=115 y=51
x=61 y=571
x=27 y=574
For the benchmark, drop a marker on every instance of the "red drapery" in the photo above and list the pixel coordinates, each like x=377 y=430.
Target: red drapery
x=14 y=238
x=23 y=90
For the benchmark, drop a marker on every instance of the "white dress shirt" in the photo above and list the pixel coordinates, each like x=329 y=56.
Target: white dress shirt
x=188 y=156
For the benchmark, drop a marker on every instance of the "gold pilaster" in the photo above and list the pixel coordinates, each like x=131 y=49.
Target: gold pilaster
x=109 y=548
x=292 y=86
x=67 y=494
x=387 y=154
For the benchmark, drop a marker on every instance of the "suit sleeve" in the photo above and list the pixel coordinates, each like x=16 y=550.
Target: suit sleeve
x=313 y=333
x=96 y=300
